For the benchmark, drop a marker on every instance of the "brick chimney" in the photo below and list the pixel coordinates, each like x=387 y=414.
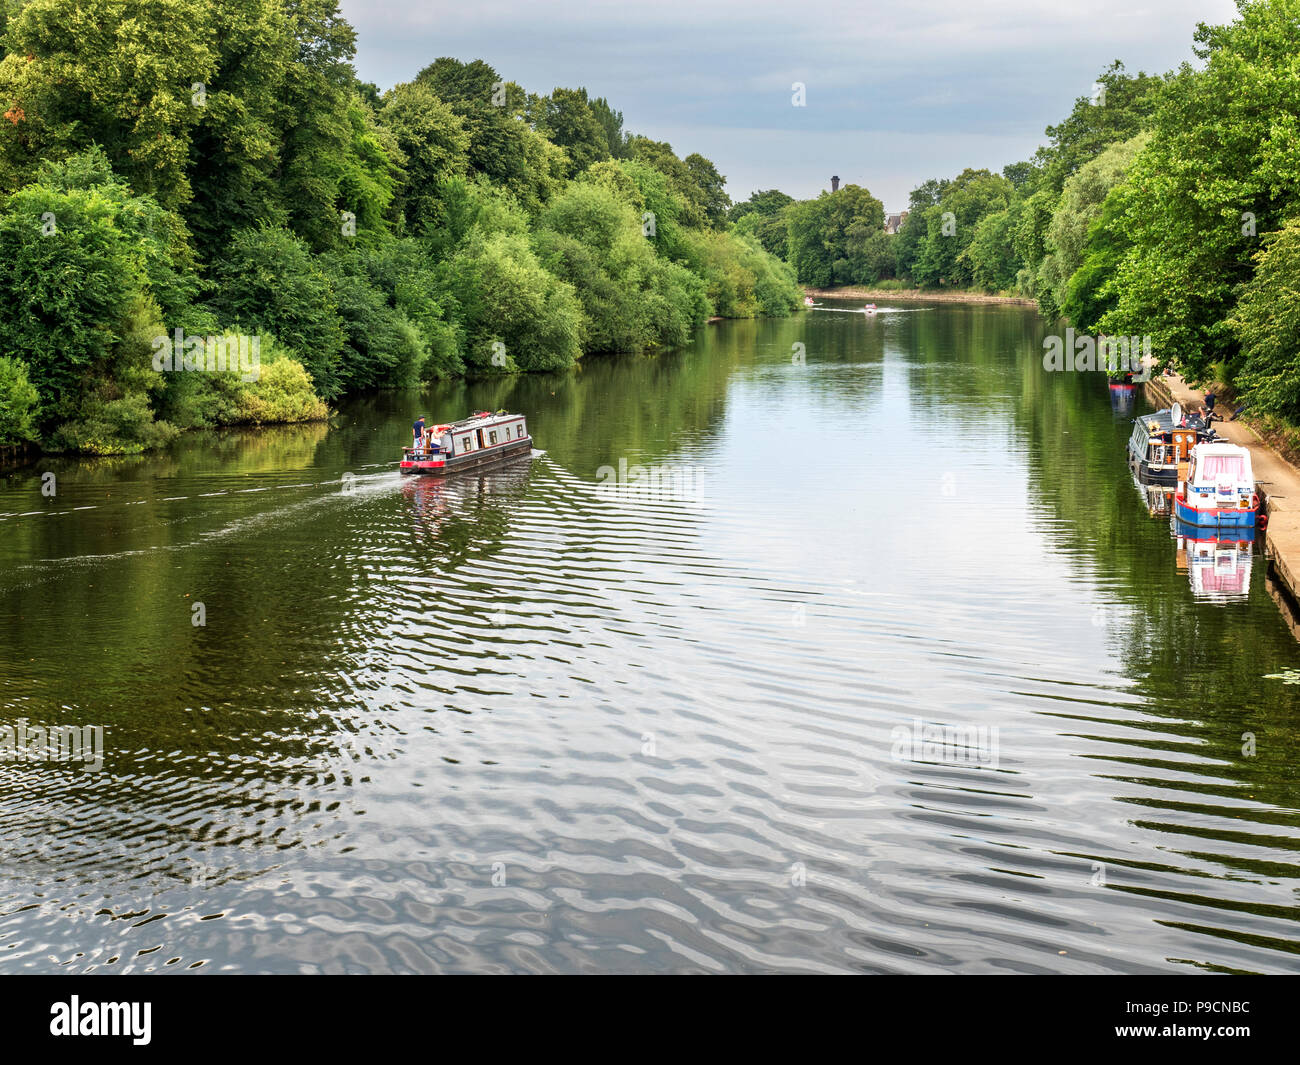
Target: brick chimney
x=835 y=183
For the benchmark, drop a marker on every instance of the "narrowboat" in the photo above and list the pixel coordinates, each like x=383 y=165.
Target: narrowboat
x=1160 y=441
x=1218 y=490
x=472 y=443
x=1218 y=567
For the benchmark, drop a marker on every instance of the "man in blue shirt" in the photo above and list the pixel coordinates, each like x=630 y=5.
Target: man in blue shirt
x=418 y=429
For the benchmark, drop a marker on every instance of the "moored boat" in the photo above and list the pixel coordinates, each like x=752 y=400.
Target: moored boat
x=1219 y=489
x=472 y=443
x=1161 y=441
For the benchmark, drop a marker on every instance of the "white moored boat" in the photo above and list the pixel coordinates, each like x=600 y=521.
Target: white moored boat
x=1220 y=488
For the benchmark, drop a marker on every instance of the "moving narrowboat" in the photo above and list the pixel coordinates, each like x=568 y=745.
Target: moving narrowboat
x=1219 y=488
x=1160 y=442
x=475 y=442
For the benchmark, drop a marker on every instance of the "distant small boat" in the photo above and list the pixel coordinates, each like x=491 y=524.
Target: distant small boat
x=1220 y=489
x=870 y=308
x=808 y=302
x=482 y=440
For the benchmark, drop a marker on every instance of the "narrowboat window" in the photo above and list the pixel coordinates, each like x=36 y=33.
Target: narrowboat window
x=492 y=437
x=520 y=431
x=464 y=442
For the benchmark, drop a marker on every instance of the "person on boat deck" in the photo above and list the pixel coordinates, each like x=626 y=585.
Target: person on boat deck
x=418 y=430
x=1210 y=397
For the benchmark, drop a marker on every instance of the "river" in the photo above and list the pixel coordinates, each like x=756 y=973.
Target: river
x=873 y=660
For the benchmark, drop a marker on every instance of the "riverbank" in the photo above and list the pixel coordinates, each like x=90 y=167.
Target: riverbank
x=849 y=292
x=1277 y=479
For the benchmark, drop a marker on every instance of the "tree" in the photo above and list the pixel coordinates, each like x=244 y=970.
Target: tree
x=907 y=246
x=831 y=238
x=1221 y=165
x=710 y=187
x=567 y=119
x=950 y=226
x=1119 y=106
x=611 y=122
x=269 y=281
x=18 y=403
x=434 y=146
x=660 y=155
x=82 y=262
x=1267 y=325
x=101 y=79
x=503 y=149
x=991 y=254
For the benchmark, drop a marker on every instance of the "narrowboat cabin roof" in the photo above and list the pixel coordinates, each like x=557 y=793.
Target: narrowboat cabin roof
x=1232 y=459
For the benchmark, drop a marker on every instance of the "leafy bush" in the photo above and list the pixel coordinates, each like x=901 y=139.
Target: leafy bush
x=1267 y=323
x=18 y=403
x=269 y=282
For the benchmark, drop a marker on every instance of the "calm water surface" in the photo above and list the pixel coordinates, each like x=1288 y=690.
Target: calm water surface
x=518 y=722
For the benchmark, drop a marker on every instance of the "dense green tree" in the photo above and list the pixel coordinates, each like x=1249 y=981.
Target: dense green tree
x=566 y=118
x=19 y=402
x=682 y=182
x=269 y=281
x=82 y=263
x=710 y=188
x=1222 y=165
x=611 y=122
x=907 y=246
x=1267 y=325
x=1079 y=206
x=991 y=254
x=830 y=238
x=631 y=299
x=950 y=226
x=1118 y=107
x=94 y=85
x=433 y=145
x=506 y=151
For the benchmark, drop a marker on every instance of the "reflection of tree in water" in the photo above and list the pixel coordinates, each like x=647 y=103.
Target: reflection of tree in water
x=1197 y=663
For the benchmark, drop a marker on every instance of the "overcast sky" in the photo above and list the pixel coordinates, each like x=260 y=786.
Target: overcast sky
x=895 y=93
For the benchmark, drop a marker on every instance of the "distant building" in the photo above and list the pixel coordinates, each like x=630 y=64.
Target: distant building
x=894 y=222
x=835 y=183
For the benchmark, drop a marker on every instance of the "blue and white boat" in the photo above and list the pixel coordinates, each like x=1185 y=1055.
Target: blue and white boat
x=1219 y=491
